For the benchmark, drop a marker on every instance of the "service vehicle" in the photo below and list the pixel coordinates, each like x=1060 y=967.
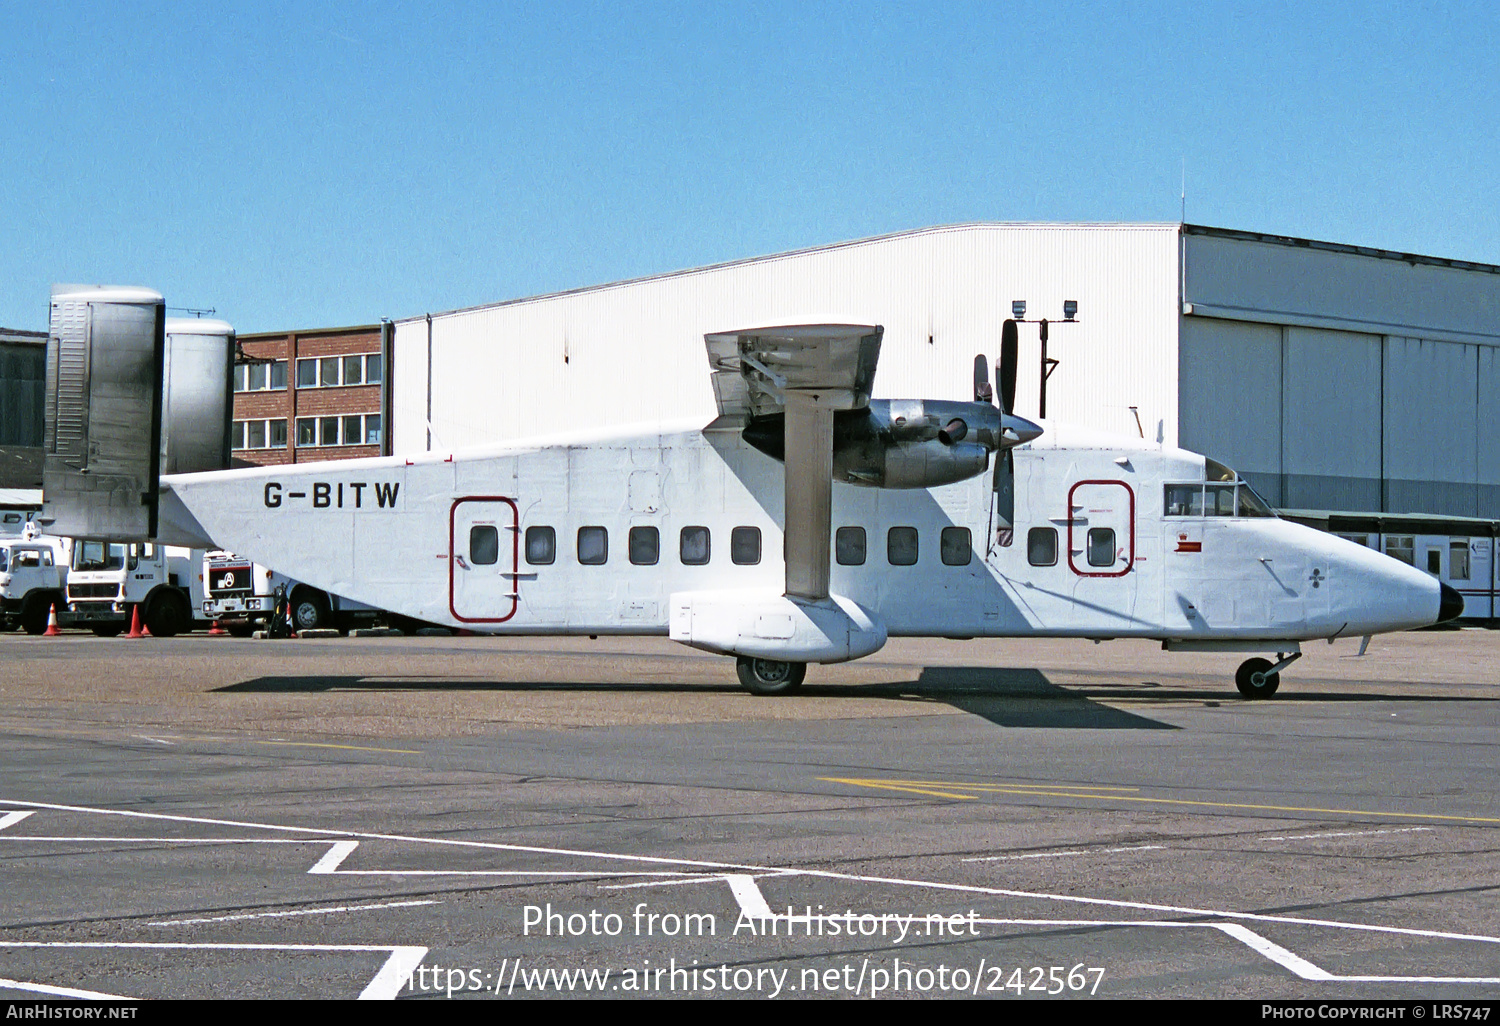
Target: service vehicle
x=33 y=573
x=107 y=580
x=241 y=596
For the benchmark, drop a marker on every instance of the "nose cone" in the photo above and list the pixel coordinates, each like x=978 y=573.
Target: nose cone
x=1451 y=605
x=1018 y=430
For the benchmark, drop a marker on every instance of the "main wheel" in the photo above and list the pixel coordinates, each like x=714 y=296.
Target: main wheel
x=770 y=676
x=309 y=610
x=168 y=616
x=1253 y=680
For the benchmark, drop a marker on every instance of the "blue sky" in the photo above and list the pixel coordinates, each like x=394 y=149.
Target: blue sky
x=302 y=165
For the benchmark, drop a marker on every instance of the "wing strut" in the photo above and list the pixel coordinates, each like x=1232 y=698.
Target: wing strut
x=809 y=494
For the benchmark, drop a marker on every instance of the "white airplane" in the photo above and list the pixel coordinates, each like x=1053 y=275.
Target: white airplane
x=809 y=523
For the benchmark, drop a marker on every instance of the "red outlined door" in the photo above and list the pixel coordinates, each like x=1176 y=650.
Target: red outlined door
x=1101 y=528
x=1101 y=555
x=483 y=551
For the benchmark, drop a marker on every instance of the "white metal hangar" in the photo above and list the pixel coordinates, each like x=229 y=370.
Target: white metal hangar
x=1331 y=376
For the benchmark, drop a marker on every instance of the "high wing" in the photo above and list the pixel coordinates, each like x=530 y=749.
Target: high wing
x=809 y=372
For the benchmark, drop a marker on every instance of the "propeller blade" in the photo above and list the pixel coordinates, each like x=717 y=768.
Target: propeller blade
x=1005 y=490
x=983 y=393
x=1005 y=369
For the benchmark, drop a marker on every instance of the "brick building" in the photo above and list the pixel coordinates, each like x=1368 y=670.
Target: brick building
x=304 y=396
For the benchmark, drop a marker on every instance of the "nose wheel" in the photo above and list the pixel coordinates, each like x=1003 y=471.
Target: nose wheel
x=770 y=676
x=1259 y=678
x=1254 y=681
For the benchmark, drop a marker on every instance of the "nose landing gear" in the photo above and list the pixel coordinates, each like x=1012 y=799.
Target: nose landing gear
x=1259 y=678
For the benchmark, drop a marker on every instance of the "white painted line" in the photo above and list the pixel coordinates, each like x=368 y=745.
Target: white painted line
x=337 y=852
x=67 y=992
x=747 y=892
x=1350 y=833
x=1060 y=854
x=716 y=878
x=10 y=819
x=147 y=737
x=300 y=912
x=743 y=868
x=395 y=974
x=1275 y=952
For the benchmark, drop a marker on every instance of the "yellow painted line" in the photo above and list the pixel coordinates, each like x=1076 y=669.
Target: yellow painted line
x=351 y=748
x=898 y=787
x=1170 y=801
x=1006 y=787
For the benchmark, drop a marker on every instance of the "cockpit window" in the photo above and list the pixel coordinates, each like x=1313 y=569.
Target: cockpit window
x=1213 y=500
x=1252 y=505
x=1213 y=470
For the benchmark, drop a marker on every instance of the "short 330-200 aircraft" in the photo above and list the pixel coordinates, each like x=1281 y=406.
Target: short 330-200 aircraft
x=809 y=522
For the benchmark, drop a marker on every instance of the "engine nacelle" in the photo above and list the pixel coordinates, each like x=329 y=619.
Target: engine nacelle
x=906 y=443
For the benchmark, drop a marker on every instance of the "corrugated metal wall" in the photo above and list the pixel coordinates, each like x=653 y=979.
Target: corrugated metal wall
x=1343 y=381
x=633 y=353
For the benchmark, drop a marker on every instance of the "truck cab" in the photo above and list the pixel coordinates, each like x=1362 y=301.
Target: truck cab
x=32 y=576
x=106 y=579
x=241 y=595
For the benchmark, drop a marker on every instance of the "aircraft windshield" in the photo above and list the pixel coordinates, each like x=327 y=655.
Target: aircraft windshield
x=1214 y=500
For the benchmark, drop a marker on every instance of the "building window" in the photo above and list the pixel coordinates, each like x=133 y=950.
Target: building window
x=849 y=546
x=901 y=546
x=593 y=546
x=1458 y=560
x=645 y=546
x=331 y=371
x=355 y=429
x=693 y=546
x=1402 y=547
x=258 y=377
x=1041 y=546
x=257 y=434
x=541 y=546
x=744 y=546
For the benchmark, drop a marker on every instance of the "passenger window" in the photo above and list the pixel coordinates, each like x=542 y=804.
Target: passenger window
x=1101 y=547
x=484 y=545
x=541 y=546
x=849 y=546
x=956 y=546
x=645 y=546
x=744 y=546
x=693 y=546
x=901 y=546
x=1041 y=546
x=593 y=546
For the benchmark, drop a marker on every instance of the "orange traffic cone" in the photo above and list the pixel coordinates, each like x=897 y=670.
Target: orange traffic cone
x=52 y=631
x=135 y=622
x=291 y=624
x=216 y=629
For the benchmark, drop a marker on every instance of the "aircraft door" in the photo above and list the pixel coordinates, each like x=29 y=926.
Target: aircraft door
x=483 y=542
x=1101 y=553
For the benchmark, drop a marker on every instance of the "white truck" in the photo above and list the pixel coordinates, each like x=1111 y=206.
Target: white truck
x=33 y=574
x=106 y=579
x=242 y=596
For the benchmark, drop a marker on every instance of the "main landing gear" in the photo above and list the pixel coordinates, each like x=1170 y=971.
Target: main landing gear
x=770 y=676
x=1259 y=678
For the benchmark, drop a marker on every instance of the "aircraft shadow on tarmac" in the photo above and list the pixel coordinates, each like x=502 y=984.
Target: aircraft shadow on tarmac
x=1007 y=697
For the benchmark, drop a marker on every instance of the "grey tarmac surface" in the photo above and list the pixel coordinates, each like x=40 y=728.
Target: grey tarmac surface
x=210 y=817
